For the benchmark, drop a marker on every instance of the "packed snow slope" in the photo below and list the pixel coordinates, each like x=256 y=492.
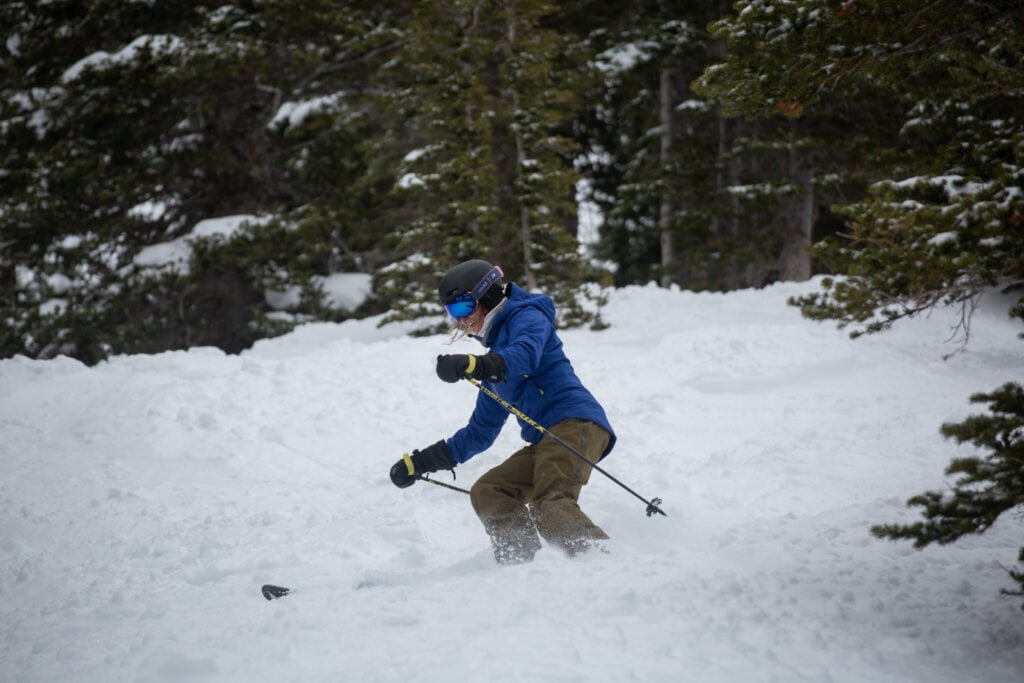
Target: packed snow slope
x=144 y=501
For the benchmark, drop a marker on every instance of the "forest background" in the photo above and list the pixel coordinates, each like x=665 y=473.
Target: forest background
x=698 y=144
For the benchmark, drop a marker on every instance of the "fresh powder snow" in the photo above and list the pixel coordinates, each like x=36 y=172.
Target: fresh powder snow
x=144 y=501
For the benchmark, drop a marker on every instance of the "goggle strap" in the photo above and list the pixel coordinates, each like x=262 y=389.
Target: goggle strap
x=481 y=288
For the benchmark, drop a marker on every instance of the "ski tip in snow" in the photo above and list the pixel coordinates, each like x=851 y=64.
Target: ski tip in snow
x=270 y=592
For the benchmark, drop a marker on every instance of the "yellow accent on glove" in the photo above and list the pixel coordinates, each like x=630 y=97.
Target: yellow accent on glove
x=408 y=464
x=472 y=366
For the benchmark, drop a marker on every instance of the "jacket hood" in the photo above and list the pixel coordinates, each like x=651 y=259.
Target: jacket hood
x=517 y=299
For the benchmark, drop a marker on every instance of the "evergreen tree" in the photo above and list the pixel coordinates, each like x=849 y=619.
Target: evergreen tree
x=792 y=158
x=648 y=159
x=489 y=170
x=985 y=488
x=692 y=193
x=942 y=223
x=130 y=123
x=942 y=237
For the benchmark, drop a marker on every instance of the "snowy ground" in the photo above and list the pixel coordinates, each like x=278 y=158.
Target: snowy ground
x=143 y=502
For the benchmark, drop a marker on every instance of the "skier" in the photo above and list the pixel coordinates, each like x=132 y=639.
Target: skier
x=537 y=487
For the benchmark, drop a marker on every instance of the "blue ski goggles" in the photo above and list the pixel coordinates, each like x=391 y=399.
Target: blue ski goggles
x=461 y=306
x=464 y=304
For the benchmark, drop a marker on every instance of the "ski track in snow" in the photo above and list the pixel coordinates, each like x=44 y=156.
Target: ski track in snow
x=144 y=501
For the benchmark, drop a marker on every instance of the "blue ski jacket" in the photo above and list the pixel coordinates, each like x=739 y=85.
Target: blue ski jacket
x=539 y=379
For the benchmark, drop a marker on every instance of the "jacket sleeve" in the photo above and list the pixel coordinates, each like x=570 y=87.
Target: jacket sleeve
x=484 y=426
x=529 y=331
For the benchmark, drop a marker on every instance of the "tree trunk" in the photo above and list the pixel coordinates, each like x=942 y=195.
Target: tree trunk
x=723 y=225
x=795 y=260
x=728 y=274
x=668 y=253
x=525 y=236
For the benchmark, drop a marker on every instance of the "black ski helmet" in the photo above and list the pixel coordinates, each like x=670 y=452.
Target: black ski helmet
x=464 y=278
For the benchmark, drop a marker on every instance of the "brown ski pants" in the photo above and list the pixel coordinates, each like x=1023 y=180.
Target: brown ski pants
x=536 y=490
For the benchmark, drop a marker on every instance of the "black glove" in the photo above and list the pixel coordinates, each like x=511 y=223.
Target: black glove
x=406 y=471
x=490 y=368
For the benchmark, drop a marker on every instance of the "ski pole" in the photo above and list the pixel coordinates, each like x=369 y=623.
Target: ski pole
x=652 y=505
x=424 y=477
